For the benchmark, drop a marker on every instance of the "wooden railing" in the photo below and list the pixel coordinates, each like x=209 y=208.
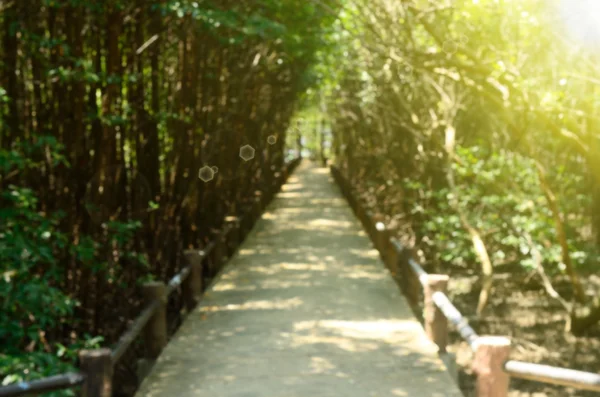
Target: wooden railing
x=96 y=366
x=491 y=363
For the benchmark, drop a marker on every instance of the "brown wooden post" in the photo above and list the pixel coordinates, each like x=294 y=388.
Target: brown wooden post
x=373 y=229
x=365 y=215
x=96 y=365
x=192 y=285
x=225 y=236
x=392 y=258
x=244 y=226
x=234 y=234
x=210 y=268
x=219 y=253
x=370 y=226
x=382 y=237
x=403 y=270
x=360 y=213
x=488 y=364
x=256 y=208
x=436 y=324
x=265 y=198
x=367 y=221
x=347 y=193
x=238 y=233
x=409 y=281
x=155 y=332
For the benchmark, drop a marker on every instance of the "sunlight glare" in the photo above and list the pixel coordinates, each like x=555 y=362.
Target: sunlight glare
x=582 y=20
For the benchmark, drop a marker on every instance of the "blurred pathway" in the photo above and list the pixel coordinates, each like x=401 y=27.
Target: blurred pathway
x=304 y=309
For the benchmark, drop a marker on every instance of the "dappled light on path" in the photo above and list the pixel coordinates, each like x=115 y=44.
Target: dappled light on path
x=256 y=305
x=305 y=308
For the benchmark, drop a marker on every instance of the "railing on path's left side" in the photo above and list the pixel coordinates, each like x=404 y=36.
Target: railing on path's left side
x=96 y=367
x=490 y=363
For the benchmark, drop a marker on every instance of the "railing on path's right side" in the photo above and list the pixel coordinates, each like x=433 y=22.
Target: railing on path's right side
x=491 y=365
x=96 y=367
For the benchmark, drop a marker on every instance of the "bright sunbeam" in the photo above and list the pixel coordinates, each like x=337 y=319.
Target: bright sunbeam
x=582 y=20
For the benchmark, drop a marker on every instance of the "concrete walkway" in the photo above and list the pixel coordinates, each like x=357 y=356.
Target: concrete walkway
x=305 y=309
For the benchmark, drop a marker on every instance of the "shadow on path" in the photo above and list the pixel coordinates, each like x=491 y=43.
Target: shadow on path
x=305 y=308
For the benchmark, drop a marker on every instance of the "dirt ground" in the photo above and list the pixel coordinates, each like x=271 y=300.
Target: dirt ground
x=519 y=308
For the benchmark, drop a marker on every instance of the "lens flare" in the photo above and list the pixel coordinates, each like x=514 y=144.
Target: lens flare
x=582 y=20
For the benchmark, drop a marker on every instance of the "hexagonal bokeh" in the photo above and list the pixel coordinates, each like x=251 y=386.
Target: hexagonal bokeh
x=272 y=140
x=450 y=47
x=215 y=169
x=206 y=174
x=247 y=152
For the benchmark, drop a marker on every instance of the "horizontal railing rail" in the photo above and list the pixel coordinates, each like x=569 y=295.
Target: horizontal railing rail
x=490 y=363
x=97 y=366
x=134 y=331
x=553 y=375
x=45 y=385
x=453 y=315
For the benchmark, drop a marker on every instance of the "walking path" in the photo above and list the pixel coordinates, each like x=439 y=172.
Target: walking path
x=304 y=309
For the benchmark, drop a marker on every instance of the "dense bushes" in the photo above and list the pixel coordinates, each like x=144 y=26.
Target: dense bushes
x=34 y=307
x=475 y=119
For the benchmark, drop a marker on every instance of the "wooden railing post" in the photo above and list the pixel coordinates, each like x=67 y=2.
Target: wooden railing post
x=392 y=258
x=220 y=249
x=155 y=332
x=436 y=324
x=382 y=239
x=96 y=365
x=409 y=282
x=361 y=214
x=265 y=197
x=256 y=208
x=370 y=225
x=192 y=285
x=488 y=364
x=234 y=233
x=349 y=195
x=245 y=223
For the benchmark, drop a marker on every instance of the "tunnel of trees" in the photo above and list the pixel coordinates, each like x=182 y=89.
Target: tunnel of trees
x=469 y=126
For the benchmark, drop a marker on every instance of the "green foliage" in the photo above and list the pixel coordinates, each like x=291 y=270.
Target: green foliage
x=516 y=90
x=31 y=274
x=28 y=246
x=20 y=367
x=31 y=302
x=500 y=194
